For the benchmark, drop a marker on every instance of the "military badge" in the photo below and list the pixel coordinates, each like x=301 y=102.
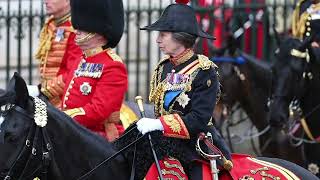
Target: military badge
x=59 y=35
x=183 y=99
x=85 y=88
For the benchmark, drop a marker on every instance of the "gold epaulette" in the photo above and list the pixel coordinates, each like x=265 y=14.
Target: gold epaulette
x=44 y=40
x=205 y=63
x=113 y=55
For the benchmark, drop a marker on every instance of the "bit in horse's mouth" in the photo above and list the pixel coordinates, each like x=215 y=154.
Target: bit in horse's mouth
x=4 y=173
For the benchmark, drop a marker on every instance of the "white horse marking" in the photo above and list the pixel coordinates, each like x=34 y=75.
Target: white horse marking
x=1 y=120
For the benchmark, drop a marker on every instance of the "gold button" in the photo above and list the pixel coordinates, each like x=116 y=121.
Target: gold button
x=208 y=82
x=309 y=18
x=308 y=23
x=66 y=98
x=308 y=29
x=307 y=34
x=67 y=94
x=64 y=106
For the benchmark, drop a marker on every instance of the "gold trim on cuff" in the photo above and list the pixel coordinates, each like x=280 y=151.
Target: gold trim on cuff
x=75 y=112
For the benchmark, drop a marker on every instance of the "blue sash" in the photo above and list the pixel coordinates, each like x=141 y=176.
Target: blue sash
x=169 y=97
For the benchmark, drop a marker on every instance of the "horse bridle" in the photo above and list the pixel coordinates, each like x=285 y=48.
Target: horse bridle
x=29 y=154
x=294 y=105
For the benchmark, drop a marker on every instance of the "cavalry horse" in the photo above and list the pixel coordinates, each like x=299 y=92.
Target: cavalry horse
x=39 y=141
x=295 y=87
x=247 y=81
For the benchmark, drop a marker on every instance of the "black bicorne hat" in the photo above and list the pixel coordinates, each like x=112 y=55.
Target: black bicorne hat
x=178 y=18
x=104 y=17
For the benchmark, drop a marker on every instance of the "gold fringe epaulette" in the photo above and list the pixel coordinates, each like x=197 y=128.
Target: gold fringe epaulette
x=205 y=63
x=295 y=19
x=44 y=40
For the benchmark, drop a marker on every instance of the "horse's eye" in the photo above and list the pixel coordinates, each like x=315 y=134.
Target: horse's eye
x=10 y=137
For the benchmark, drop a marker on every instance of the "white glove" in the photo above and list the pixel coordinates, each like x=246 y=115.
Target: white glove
x=146 y=125
x=33 y=90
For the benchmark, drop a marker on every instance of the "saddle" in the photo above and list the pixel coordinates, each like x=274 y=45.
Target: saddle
x=242 y=167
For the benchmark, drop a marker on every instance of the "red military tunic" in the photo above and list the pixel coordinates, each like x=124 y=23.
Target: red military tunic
x=97 y=86
x=56 y=54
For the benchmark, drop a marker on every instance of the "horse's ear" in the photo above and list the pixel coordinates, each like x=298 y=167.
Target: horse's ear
x=18 y=86
x=276 y=35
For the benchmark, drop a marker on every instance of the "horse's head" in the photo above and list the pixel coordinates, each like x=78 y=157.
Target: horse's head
x=13 y=128
x=230 y=81
x=292 y=71
x=37 y=138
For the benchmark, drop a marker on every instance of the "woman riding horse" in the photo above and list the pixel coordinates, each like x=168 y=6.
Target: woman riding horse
x=184 y=87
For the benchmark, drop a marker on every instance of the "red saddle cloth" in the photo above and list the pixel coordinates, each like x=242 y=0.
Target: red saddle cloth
x=244 y=168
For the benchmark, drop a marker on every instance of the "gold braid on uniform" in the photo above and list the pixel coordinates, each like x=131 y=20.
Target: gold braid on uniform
x=299 y=21
x=44 y=42
x=295 y=19
x=157 y=87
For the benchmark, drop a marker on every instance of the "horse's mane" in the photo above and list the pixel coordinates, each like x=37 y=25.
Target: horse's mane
x=64 y=121
x=260 y=69
x=163 y=146
x=286 y=45
x=7 y=97
x=259 y=65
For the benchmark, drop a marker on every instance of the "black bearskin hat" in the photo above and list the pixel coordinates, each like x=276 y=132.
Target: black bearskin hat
x=178 y=18
x=104 y=17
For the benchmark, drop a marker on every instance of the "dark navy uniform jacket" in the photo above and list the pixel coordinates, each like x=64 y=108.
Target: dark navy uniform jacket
x=185 y=96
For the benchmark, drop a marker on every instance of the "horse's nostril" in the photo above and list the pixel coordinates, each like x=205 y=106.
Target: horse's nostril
x=4 y=173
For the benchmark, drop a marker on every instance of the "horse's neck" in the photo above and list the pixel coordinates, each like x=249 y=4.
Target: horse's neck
x=75 y=149
x=310 y=105
x=255 y=97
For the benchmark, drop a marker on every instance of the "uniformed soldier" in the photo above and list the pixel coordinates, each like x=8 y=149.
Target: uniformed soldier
x=306 y=23
x=57 y=50
x=184 y=89
x=97 y=84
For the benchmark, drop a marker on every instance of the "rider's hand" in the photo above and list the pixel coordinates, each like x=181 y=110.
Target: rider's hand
x=146 y=125
x=315 y=44
x=33 y=90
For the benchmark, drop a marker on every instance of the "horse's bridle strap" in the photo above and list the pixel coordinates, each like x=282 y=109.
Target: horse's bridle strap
x=307 y=130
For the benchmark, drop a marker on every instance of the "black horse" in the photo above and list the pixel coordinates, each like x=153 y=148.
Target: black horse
x=60 y=150
x=55 y=147
x=295 y=86
x=247 y=81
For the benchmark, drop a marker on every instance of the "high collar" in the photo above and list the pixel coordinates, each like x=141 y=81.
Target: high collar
x=93 y=51
x=62 y=19
x=183 y=57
